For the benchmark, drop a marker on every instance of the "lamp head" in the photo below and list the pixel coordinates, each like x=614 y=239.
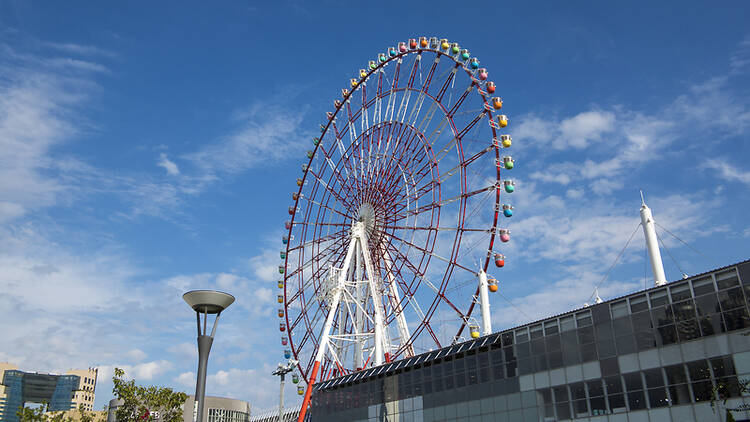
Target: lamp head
x=208 y=301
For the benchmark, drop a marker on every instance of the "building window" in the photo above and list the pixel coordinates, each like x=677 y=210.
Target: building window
x=562 y=405
x=596 y=397
x=659 y=298
x=536 y=331
x=583 y=319
x=638 y=303
x=522 y=335
x=657 y=393
x=567 y=323
x=615 y=398
x=727 y=279
x=680 y=292
x=619 y=309
x=634 y=388
x=703 y=286
x=550 y=327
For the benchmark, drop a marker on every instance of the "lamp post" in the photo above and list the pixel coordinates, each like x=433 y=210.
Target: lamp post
x=281 y=371
x=205 y=302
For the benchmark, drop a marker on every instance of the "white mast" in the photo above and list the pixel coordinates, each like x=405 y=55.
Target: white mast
x=649 y=231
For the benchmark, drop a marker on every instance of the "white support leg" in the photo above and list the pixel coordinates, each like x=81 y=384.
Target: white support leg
x=395 y=298
x=337 y=291
x=484 y=300
x=359 y=320
x=359 y=232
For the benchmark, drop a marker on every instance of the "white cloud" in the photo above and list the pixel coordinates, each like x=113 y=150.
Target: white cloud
x=136 y=355
x=534 y=128
x=186 y=379
x=168 y=165
x=149 y=370
x=576 y=132
x=605 y=186
x=552 y=175
x=184 y=351
x=76 y=64
x=727 y=171
x=265 y=266
x=580 y=130
x=269 y=135
x=251 y=294
x=740 y=59
x=83 y=50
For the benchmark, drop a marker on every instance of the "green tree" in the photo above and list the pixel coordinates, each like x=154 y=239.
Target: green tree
x=27 y=414
x=139 y=402
x=43 y=414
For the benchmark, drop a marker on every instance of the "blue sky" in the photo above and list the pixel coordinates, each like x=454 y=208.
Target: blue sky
x=147 y=149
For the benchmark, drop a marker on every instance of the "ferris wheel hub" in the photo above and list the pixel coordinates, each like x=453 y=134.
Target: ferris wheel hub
x=366 y=215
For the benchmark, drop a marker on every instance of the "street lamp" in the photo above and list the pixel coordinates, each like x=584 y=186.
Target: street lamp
x=281 y=371
x=205 y=302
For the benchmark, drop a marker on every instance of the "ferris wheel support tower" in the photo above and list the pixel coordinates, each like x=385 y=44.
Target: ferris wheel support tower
x=350 y=292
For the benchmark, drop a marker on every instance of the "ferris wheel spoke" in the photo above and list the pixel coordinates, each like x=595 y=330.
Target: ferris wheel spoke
x=478 y=155
x=428 y=80
x=296 y=321
x=471 y=124
x=447 y=83
x=319 y=240
x=365 y=121
x=305 y=223
x=407 y=93
x=433 y=254
x=445 y=202
x=432 y=334
x=406 y=262
x=377 y=116
x=343 y=183
x=392 y=97
x=450 y=229
x=350 y=123
x=423 y=94
x=461 y=100
x=342 y=149
x=330 y=189
x=330 y=258
x=438 y=291
x=312 y=201
x=446 y=149
x=314 y=258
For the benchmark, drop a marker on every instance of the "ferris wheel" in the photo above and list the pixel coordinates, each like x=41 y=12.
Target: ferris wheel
x=397 y=214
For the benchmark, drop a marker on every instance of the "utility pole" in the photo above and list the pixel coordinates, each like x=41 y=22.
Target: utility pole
x=281 y=371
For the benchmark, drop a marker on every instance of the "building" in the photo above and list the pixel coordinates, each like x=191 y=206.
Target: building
x=84 y=394
x=653 y=355
x=290 y=415
x=216 y=409
x=60 y=392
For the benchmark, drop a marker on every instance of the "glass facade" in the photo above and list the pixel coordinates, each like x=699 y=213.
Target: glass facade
x=652 y=355
x=22 y=387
